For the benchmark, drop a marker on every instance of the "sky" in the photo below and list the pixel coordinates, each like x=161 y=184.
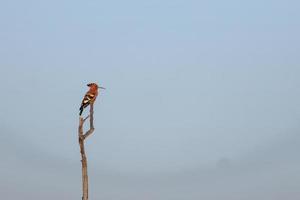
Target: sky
x=202 y=99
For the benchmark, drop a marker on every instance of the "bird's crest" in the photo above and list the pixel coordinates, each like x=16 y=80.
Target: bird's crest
x=92 y=84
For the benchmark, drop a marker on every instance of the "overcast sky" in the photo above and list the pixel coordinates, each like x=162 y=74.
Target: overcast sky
x=202 y=99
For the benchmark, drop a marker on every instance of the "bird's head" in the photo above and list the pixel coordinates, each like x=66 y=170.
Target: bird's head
x=94 y=86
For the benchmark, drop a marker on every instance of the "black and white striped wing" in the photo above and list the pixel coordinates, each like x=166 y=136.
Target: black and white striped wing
x=88 y=98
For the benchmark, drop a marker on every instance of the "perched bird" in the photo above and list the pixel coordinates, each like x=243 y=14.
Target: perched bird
x=90 y=96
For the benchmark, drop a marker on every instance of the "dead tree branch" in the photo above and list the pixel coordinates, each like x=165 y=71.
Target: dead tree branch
x=81 y=137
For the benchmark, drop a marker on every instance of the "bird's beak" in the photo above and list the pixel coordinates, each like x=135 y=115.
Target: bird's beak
x=102 y=88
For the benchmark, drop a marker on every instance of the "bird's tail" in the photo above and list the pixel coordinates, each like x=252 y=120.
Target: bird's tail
x=81 y=110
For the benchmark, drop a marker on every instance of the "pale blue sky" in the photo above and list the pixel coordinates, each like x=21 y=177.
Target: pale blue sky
x=199 y=95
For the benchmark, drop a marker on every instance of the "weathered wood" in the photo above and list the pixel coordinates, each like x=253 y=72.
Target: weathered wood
x=81 y=137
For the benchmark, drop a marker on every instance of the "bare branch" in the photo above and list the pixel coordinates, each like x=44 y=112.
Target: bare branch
x=86 y=118
x=91 y=130
x=81 y=138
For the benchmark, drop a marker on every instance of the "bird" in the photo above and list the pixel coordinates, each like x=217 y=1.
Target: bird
x=90 y=96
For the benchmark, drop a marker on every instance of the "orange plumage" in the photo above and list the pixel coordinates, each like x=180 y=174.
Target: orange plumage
x=90 y=96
